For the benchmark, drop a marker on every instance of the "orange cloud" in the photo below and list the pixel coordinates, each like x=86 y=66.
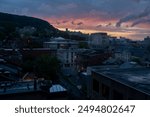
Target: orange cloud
x=92 y=25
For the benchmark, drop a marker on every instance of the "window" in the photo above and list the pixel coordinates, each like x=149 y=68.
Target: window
x=95 y=85
x=67 y=61
x=71 y=60
x=71 y=53
x=105 y=91
x=67 y=65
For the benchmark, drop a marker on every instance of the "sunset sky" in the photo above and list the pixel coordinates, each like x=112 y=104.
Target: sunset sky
x=129 y=18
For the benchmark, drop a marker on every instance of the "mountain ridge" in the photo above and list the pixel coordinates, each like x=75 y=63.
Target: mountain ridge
x=21 y=21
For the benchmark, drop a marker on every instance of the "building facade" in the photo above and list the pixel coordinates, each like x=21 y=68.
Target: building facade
x=99 y=40
x=65 y=51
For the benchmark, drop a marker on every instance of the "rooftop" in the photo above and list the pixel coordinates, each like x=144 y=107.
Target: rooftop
x=57 y=88
x=16 y=87
x=91 y=52
x=137 y=78
x=100 y=33
x=60 y=42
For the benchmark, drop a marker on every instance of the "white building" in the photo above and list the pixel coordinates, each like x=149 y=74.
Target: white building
x=99 y=40
x=123 y=56
x=60 y=43
x=66 y=51
x=67 y=57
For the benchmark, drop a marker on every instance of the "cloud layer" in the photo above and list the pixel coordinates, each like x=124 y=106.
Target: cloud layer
x=125 y=17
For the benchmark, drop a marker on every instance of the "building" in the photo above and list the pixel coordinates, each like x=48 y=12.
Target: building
x=67 y=57
x=128 y=51
x=66 y=52
x=122 y=56
x=146 y=41
x=99 y=40
x=120 y=84
x=90 y=57
x=60 y=43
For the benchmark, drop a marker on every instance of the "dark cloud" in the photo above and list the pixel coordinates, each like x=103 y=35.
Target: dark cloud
x=70 y=8
x=65 y=21
x=77 y=23
x=58 y=23
x=73 y=23
x=127 y=26
x=99 y=26
x=140 y=22
x=109 y=24
x=137 y=1
x=133 y=17
x=80 y=23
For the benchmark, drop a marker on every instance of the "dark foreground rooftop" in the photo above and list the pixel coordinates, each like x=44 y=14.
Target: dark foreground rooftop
x=137 y=78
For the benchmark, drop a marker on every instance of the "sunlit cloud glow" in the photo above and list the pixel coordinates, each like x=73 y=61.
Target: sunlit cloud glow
x=129 y=18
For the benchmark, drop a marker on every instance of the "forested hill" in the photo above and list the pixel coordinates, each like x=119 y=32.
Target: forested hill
x=21 y=21
x=11 y=25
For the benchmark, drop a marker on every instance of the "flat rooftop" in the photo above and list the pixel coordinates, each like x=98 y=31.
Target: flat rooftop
x=137 y=78
x=18 y=87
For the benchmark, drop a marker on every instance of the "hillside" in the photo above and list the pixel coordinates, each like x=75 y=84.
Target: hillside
x=21 y=21
x=12 y=26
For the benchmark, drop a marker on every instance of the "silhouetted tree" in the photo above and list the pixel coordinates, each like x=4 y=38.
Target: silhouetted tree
x=47 y=67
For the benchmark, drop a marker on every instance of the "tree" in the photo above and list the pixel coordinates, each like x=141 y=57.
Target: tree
x=28 y=65
x=47 y=67
x=2 y=35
